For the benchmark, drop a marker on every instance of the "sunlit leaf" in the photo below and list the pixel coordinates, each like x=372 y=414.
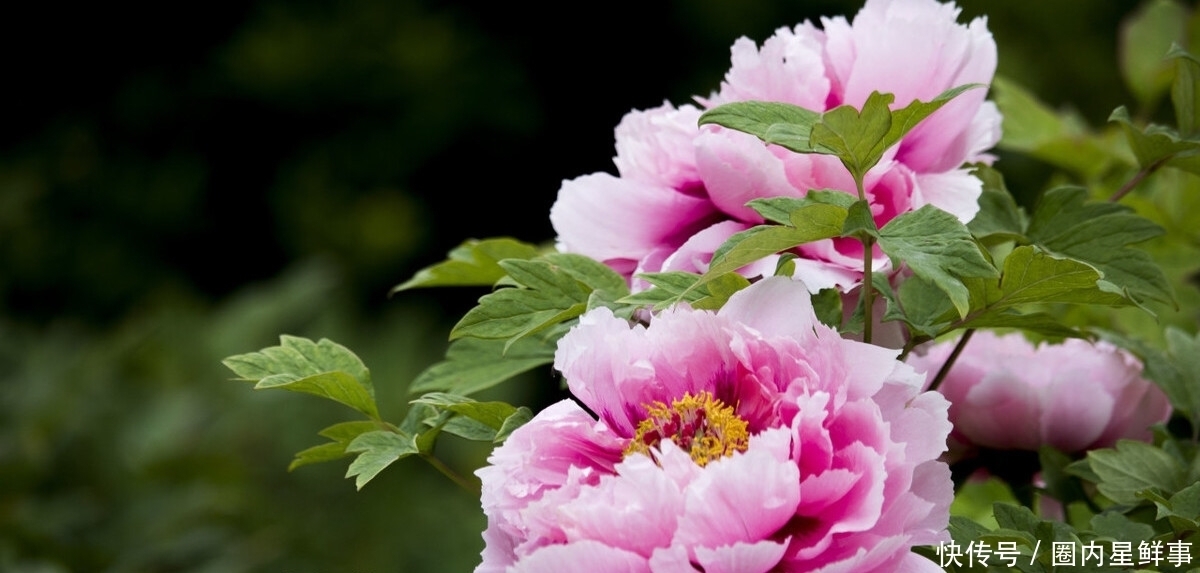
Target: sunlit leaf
x=323 y=368
x=474 y=263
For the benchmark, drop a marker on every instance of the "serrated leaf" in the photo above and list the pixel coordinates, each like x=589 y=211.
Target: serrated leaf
x=920 y=305
x=1032 y=275
x=859 y=222
x=720 y=288
x=469 y=429
x=345 y=432
x=552 y=296
x=376 y=451
x=778 y=209
x=474 y=364
x=1114 y=525
x=1015 y=517
x=1182 y=510
x=827 y=304
x=596 y=275
x=326 y=452
x=667 y=288
x=1100 y=234
x=773 y=122
x=1156 y=145
x=519 y=418
x=809 y=222
x=999 y=218
x=860 y=137
x=491 y=414
x=323 y=368
x=938 y=248
x=1185 y=96
x=1133 y=467
x=1145 y=38
x=474 y=263
x=1176 y=371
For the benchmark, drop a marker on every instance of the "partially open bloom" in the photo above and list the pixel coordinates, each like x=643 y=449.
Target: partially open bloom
x=682 y=189
x=748 y=440
x=1006 y=393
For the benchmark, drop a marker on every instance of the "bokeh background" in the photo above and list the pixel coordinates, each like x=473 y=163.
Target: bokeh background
x=179 y=185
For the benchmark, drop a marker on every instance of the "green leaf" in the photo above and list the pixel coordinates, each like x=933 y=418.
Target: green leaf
x=326 y=452
x=1157 y=144
x=808 y=223
x=474 y=263
x=1060 y=485
x=920 y=305
x=548 y=290
x=1032 y=275
x=1184 y=93
x=376 y=451
x=552 y=296
x=325 y=368
x=468 y=429
x=859 y=222
x=491 y=414
x=1133 y=467
x=939 y=249
x=1182 y=509
x=1061 y=139
x=1145 y=39
x=667 y=288
x=519 y=418
x=474 y=364
x=1100 y=234
x=1116 y=526
x=1015 y=517
x=721 y=287
x=855 y=136
x=592 y=273
x=999 y=218
x=779 y=123
x=778 y=209
x=828 y=306
x=1176 y=371
x=860 y=137
x=341 y=435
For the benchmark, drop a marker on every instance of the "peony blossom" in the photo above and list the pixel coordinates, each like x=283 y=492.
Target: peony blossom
x=682 y=190
x=747 y=440
x=1006 y=393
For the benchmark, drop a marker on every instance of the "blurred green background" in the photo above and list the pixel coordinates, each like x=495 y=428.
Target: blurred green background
x=179 y=185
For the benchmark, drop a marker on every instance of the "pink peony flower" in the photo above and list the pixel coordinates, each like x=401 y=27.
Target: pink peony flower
x=748 y=440
x=682 y=190
x=1005 y=393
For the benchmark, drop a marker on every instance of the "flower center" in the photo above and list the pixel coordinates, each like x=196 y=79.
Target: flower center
x=701 y=425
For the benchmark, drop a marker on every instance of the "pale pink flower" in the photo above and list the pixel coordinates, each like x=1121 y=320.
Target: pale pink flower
x=1006 y=393
x=682 y=190
x=747 y=440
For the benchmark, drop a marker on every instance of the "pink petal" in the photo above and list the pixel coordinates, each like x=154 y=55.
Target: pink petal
x=581 y=555
x=736 y=168
x=741 y=557
x=605 y=217
x=656 y=147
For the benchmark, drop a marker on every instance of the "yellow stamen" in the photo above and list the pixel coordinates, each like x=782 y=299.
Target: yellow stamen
x=701 y=425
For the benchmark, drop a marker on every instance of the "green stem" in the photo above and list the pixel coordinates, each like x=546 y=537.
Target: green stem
x=868 y=293
x=470 y=486
x=945 y=369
